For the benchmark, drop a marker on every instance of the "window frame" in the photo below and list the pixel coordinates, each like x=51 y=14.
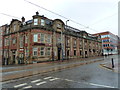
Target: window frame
x=42 y=38
x=48 y=51
x=35 y=37
x=35 y=50
x=35 y=21
x=42 y=22
x=42 y=51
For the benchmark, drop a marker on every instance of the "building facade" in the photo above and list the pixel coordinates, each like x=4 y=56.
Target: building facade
x=43 y=39
x=109 y=43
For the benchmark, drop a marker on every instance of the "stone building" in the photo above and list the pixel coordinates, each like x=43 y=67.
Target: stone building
x=43 y=39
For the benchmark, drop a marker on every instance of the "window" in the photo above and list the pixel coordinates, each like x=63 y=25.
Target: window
x=14 y=41
x=21 y=41
x=104 y=36
x=67 y=42
x=42 y=51
x=42 y=22
x=105 y=40
x=35 y=21
x=35 y=51
x=27 y=52
x=75 y=43
x=49 y=39
x=35 y=38
x=59 y=26
x=7 y=30
x=74 y=52
x=48 y=51
x=59 y=39
x=42 y=39
x=6 y=42
x=26 y=39
x=14 y=27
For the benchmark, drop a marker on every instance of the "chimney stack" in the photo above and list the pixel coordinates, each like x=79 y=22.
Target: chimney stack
x=23 y=20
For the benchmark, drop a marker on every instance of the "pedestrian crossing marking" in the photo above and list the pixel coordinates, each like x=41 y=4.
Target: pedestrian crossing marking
x=68 y=80
x=54 y=79
x=47 y=77
x=20 y=85
x=36 y=81
x=41 y=83
x=27 y=87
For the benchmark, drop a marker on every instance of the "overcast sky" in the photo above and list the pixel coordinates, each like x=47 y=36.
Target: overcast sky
x=100 y=15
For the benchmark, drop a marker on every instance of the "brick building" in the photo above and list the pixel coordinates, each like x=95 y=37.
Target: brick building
x=109 y=43
x=41 y=39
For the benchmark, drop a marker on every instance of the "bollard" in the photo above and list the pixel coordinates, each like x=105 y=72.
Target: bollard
x=112 y=63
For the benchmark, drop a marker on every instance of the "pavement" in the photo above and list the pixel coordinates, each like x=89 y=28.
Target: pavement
x=108 y=65
x=20 y=71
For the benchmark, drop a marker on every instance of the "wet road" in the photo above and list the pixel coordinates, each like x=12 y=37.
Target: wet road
x=86 y=76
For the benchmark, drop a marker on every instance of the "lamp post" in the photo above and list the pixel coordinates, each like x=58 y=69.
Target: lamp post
x=65 y=42
x=62 y=41
x=66 y=22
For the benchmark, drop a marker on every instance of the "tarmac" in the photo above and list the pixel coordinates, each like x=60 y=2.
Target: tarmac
x=12 y=72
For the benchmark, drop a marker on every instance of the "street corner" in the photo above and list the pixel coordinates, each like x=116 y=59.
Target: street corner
x=108 y=66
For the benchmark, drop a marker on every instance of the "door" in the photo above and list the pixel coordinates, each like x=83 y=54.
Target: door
x=67 y=54
x=86 y=54
x=59 y=50
x=13 y=59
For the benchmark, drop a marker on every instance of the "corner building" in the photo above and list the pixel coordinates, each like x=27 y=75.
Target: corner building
x=43 y=39
x=109 y=43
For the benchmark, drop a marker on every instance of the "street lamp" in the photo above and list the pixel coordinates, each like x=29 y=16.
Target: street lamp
x=65 y=43
x=66 y=22
x=62 y=40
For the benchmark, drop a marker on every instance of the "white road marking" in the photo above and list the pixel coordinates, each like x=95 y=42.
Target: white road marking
x=36 y=81
x=27 y=87
x=41 y=83
x=20 y=85
x=68 y=80
x=47 y=77
x=90 y=83
x=101 y=85
x=54 y=79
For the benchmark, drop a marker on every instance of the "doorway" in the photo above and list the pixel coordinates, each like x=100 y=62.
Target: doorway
x=59 y=51
x=85 y=54
x=67 y=54
x=13 y=59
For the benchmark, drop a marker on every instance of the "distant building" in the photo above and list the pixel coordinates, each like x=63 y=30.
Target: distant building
x=43 y=39
x=109 y=43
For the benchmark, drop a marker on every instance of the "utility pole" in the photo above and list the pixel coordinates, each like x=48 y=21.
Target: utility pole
x=66 y=53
